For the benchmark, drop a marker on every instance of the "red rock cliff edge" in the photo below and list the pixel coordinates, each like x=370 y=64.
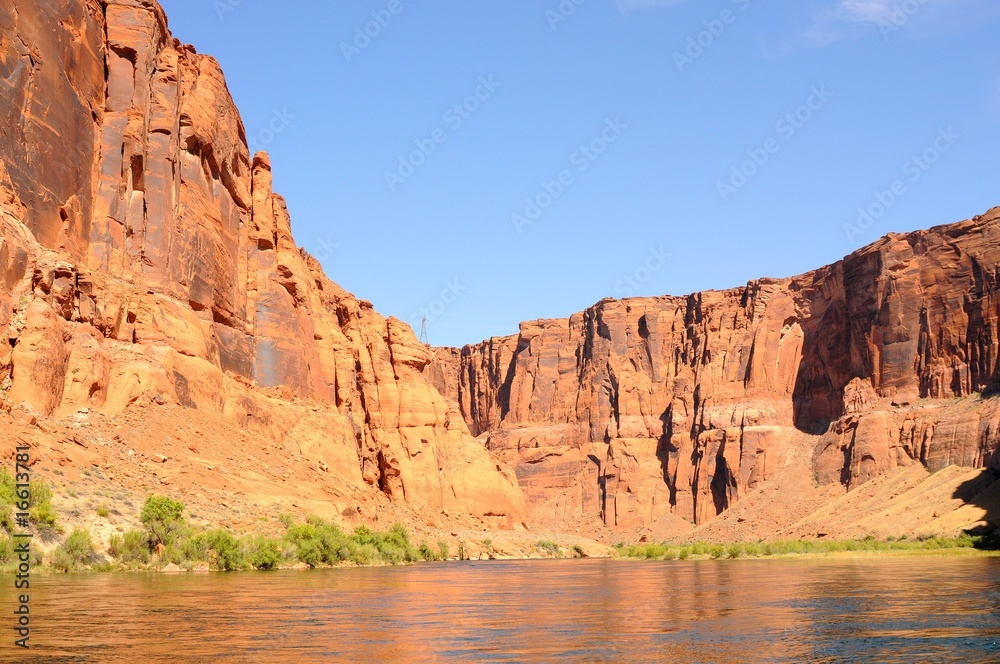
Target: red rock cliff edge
x=648 y=409
x=143 y=252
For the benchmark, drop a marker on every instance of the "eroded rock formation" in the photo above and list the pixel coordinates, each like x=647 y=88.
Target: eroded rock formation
x=639 y=409
x=145 y=262
x=143 y=252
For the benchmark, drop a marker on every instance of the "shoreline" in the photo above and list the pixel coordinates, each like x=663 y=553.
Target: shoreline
x=956 y=552
x=934 y=545
x=166 y=542
x=870 y=554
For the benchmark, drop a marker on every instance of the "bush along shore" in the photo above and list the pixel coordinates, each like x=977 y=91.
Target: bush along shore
x=166 y=541
x=781 y=548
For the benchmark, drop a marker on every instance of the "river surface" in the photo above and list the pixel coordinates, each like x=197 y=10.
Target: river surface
x=788 y=610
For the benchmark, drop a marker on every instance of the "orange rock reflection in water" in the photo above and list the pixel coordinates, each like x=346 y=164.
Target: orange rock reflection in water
x=940 y=609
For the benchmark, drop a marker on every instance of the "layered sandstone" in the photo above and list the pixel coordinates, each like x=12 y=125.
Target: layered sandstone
x=640 y=411
x=161 y=324
x=143 y=254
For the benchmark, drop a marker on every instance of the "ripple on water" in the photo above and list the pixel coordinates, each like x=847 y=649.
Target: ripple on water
x=888 y=610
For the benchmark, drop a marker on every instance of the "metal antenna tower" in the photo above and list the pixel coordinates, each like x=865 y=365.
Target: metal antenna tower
x=423 y=332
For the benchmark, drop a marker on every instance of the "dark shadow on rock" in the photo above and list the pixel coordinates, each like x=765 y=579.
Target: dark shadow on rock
x=984 y=491
x=666 y=453
x=817 y=399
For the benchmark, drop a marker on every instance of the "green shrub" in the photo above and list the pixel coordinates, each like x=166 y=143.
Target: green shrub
x=40 y=510
x=75 y=552
x=79 y=544
x=61 y=561
x=363 y=535
x=307 y=542
x=193 y=548
x=347 y=551
x=8 y=497
x=551 y=548
x=391 y=555
x=335 y=544
x=174 y=553
x=317 y=521
x=800 y=547
x=132 y=547
x=163 y=517
x=263 y=553
x=365 y=554
x=229 y=555
x=965 y=540
x=395 y=546
x=650 y=551
x=427 y=553
x=103 y=511
x=318 y=542
x=443 y=552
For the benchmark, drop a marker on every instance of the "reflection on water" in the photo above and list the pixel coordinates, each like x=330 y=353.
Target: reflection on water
x=888 y=610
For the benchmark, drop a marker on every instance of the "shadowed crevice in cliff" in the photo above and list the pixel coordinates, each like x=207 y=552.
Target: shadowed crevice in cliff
x=981 y=333
x=667 y=455
x=878 y=357
x=817 y=398
x=145 y=258
x=503 y=394
x=724 y=486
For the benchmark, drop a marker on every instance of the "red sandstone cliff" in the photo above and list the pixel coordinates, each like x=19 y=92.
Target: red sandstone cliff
x=161 y=325
x=643 y=410
x=144 y=255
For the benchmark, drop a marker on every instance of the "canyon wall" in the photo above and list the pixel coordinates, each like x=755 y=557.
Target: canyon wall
x=145 y=259
x=647 y=409
x=143 y=252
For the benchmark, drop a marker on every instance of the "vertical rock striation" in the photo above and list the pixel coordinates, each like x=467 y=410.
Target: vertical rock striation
x=636 y=409
x=134 y=222
x=144 y=252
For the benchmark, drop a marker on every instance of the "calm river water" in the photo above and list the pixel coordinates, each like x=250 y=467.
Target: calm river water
x=861 y=610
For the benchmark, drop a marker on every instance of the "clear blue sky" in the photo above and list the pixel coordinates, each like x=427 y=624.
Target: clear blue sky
x=683 y=125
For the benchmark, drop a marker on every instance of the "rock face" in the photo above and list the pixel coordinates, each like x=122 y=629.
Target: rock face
x=143 y=251
x=145 y=259
x=642 y=410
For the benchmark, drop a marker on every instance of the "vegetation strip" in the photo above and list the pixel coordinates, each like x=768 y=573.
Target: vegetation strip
x=704 y=550
x=167 y=539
